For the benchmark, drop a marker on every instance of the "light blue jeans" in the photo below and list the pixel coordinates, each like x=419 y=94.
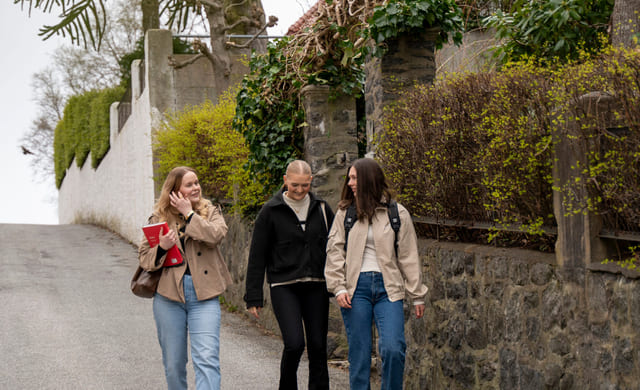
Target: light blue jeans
x=371 y=304
x=201 y=319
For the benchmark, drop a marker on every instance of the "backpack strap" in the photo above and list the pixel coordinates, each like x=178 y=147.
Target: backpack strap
x=394 y=219
x=349 y=220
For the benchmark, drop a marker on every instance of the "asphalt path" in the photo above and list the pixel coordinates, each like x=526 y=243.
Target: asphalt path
x=69 y=321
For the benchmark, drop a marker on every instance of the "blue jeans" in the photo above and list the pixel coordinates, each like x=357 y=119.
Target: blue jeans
x=370 y=303
x=201 y=319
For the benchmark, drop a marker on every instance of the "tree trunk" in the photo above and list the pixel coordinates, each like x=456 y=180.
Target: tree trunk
x=624 y=23
x=150 y=15
x=245 y=17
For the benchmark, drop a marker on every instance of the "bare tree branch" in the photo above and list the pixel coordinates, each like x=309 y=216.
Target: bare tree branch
x=173 y=62
x=234 y=5
x=272 y=22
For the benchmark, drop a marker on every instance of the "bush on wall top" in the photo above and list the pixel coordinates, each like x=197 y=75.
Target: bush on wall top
x=479 y=147
x=84 y=128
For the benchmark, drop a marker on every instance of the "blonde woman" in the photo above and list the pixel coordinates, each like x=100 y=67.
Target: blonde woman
x=289 y=244
x=186 y=304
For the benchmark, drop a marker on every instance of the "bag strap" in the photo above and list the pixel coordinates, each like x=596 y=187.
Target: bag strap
x=324 y=214
x=349 y=220
x=394 y=220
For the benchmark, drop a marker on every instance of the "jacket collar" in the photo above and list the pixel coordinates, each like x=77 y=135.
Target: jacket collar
x=278 y=199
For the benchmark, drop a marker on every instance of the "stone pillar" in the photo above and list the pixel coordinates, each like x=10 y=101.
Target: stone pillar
x=578 y=244
x=158 y=47
x=113 y=122
x=409 y=60
x=330 y=139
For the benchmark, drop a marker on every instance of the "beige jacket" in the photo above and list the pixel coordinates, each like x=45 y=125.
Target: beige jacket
x=401 y=276
x=208 y=269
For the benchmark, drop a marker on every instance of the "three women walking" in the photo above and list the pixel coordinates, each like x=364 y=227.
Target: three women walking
x=367 y=257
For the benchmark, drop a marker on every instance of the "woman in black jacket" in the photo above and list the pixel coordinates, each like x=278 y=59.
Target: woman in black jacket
x=289 y=243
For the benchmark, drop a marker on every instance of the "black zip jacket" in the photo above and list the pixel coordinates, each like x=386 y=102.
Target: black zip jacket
x=280 y=247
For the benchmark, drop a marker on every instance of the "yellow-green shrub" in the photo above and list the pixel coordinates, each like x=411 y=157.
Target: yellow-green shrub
x=202 y=137
x=479 y=147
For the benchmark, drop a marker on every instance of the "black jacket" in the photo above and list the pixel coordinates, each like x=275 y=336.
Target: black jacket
x=283 y=249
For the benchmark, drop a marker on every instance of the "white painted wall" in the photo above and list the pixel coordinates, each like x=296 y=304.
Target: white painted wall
x=119 y=194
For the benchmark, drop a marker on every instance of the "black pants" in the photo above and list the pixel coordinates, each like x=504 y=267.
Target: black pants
x=293 y=305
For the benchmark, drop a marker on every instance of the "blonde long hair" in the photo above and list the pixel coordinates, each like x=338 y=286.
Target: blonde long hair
x=172 y=183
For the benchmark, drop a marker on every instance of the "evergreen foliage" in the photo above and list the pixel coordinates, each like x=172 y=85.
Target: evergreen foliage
x=84 y=128
x=554 y=29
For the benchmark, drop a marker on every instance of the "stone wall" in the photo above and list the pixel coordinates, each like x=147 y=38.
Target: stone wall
x=499 y=319
x=330 y=139
x=409 y=60
x=513 y=319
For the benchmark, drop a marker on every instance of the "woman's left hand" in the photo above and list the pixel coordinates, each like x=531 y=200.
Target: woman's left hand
x=419 y=309
x=182 y=204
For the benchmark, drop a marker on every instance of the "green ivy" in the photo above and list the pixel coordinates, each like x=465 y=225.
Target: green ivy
x=551 y=29
x=270 y=114
x=268 y=118
x=398 y=17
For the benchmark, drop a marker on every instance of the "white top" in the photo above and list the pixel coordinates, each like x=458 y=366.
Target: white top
x=300 y=207
x=369 y=258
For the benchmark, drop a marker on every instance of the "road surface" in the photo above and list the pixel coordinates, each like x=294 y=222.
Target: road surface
x=69 y=320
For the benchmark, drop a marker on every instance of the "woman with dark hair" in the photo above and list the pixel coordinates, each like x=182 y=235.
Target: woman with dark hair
x=186 y=302
x=370 y=274
x=289 y=244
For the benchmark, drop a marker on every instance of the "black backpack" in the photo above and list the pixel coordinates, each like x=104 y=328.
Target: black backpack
x=394 y=219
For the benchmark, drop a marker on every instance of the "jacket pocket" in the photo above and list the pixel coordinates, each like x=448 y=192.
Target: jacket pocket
x=285 y=256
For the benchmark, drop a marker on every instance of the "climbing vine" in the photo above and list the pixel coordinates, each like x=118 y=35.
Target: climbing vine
x=330 y=51
x=269 y=112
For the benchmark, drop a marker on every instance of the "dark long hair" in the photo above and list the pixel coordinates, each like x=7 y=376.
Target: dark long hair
x=372 y=191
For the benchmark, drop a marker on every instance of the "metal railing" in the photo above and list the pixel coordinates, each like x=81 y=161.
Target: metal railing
x=124 y=108
x=141 y=73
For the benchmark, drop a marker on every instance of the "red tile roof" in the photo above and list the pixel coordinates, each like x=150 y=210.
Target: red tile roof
x=305 y=20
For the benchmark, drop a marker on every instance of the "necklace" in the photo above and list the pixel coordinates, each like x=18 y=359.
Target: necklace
x=295 y=209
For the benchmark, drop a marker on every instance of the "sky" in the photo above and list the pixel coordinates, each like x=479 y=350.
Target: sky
x=27 y=198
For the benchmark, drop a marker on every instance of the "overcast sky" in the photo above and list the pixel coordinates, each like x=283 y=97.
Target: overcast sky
x=26 y=199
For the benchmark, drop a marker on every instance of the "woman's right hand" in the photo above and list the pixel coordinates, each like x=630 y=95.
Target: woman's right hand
x=168 y=240
x=344 y=301
x=255 y=311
